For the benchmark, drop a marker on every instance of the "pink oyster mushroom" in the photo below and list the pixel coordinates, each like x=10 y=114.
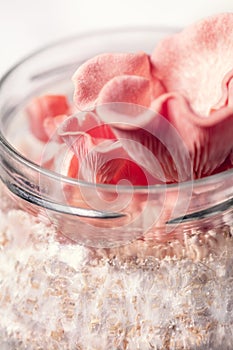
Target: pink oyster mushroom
x=182 y=127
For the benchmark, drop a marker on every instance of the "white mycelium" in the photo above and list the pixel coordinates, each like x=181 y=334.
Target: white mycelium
x=55 y=295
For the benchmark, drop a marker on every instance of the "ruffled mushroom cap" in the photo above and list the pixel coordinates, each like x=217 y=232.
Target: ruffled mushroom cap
x=187 y=82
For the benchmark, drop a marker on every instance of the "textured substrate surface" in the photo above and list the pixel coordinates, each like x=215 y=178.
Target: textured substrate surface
x=57 y=295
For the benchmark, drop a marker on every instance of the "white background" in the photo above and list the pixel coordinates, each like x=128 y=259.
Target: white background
x=26 y=25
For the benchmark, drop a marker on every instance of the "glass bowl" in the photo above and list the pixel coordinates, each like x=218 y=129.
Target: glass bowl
x=115 y=267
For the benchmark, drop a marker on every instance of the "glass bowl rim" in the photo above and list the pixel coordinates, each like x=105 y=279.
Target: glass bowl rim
x=51 y=174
